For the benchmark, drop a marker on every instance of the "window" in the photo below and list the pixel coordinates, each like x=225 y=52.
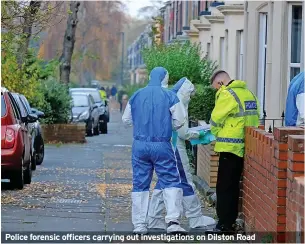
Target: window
x=80 y=101
x=240 y=51
x=15 y=107
x=226 y=46
x=3 y=107
x=211 y=48
x=222 y=53
x=20 y=105
x=208 y=51
x=294 y=40
x=263 y=21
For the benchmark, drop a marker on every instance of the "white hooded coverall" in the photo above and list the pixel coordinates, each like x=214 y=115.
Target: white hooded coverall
x=191 y=204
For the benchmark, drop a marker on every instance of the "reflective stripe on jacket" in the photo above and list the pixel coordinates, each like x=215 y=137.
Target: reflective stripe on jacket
x=235 y=108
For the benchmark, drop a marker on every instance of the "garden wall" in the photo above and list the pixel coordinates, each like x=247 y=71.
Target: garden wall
x=207 y=164
x=271 y=165
x=64 y=133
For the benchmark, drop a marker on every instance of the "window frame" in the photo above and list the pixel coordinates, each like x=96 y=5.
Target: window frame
x=289 y=64
x=222 y=53
x=262 y=59
x=15 y=108
x=208 y=52
x=240 y=54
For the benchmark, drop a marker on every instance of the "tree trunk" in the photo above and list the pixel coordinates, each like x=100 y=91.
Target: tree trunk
x=29 y=18
x=68 y=45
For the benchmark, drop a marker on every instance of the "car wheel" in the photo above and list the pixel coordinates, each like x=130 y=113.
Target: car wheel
x=17 y=178
x=90 y=129
x=28 y=174
x=34 y=161
x=96 y=130
x=40 y=154
x=104 y=128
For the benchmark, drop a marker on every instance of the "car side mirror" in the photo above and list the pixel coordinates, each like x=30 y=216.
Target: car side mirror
x=94 y=106
x=31 y=118
x=39 y=113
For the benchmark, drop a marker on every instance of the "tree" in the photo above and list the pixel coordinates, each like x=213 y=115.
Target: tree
x=21 y=20
x=184 y=60
x=29 y=18
x=152 y=10
x=68 y=44
x=97 y=41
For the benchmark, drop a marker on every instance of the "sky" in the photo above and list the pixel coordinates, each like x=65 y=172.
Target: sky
x=135 y=5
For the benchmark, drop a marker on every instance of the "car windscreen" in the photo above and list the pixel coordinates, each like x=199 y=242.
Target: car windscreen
x=80 y=101
x=95 y=94
x=3 y=107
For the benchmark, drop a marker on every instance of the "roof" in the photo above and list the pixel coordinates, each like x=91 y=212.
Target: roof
x=83 y=89
x=3 y=89
x=80 y=93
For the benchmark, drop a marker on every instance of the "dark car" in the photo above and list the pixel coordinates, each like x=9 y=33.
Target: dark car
x=38 y=154
x=84 y=110
x=102 y=106
x=16 y=148
x=30 y=126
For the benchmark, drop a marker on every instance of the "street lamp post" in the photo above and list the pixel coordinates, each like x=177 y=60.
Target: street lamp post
x=122 y=58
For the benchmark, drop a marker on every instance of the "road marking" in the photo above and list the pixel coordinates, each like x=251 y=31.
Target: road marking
x=109 y=145
x=68 y=201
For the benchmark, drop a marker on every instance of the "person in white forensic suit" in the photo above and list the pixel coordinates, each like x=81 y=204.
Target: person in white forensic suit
x=191 y=203
x=154 y=111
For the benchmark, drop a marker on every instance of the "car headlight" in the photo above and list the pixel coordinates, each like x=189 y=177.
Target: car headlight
x=84 y=115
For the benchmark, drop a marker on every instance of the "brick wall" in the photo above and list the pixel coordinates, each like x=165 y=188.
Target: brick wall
x=65 y=133
x=295 y=190
x=265 y=180
x=207 y=164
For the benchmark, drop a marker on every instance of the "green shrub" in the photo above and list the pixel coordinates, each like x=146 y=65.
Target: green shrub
x=180 y=60
x=202 y=103
x=184 y=60
x=57 y=102
x=131 y=89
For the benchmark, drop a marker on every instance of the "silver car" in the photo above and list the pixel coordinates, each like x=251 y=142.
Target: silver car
x=84 y=110
x=102 y=106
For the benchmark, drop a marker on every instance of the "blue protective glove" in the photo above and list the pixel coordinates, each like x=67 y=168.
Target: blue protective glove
x=207 y=138
x=202 y=133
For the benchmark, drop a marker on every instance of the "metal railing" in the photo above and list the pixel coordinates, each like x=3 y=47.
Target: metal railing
x=271 y=123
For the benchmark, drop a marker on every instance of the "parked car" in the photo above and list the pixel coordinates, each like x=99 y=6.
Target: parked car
x=85 y=110
x=102 y=106
x=29 y=125
x=38 y=153
x=15 y=142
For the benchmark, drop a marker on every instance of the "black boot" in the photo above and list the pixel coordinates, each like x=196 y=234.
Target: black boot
x=221 y=229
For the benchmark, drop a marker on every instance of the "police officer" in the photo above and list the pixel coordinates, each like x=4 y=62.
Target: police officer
x=295 y=101
x=235 y=108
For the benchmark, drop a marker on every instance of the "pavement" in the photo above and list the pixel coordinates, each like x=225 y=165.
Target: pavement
x=79 y=187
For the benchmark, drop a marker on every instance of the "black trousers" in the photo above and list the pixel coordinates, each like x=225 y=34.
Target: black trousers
x=227 y=188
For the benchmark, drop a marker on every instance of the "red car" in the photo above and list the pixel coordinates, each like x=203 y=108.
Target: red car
x=15 y=142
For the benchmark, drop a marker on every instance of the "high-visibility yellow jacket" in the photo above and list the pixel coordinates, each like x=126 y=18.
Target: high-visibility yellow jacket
x=235 y=108
x=103 y=94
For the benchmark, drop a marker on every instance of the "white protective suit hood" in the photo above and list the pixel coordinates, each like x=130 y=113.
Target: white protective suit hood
x=184 y=89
